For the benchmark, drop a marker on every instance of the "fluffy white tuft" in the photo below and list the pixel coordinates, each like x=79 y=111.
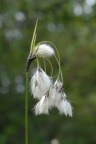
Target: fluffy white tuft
x=43 y=50
x=58 y=84
x=57 y=100
x=55 y=95
x=62 y=108
x=42 y=106
x=40 y=83
x=52 y=95
x=69 y=109
x=65 y=108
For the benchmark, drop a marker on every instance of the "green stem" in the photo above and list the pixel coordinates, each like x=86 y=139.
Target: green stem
x=50 y=65
x=26 y=110
x=60 y=70
x=37 y=60
x=44 y=65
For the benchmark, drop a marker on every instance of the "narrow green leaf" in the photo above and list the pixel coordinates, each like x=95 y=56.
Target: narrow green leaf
x=34 y=37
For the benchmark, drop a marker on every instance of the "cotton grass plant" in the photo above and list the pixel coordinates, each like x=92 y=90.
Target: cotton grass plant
x=48 y=92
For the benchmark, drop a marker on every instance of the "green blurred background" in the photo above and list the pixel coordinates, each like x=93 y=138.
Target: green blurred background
x=71 y=26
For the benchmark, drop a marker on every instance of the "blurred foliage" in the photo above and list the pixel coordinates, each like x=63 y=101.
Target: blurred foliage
x=71 y=26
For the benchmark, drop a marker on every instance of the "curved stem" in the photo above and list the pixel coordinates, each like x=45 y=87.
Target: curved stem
x=60 y=70
x=26 y=110
x=37 y=61
x=50 y=65
x=44 y=65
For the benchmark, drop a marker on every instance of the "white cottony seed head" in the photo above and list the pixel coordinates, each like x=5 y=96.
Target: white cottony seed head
x=56 y=93
x=43 y=50
x=40 y=83
x=58 y=98
x=58 y=84
x=65 y=107
x=69 y=109
x=42 y=106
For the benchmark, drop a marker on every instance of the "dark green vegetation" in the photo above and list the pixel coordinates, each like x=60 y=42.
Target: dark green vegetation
x=71 y=26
